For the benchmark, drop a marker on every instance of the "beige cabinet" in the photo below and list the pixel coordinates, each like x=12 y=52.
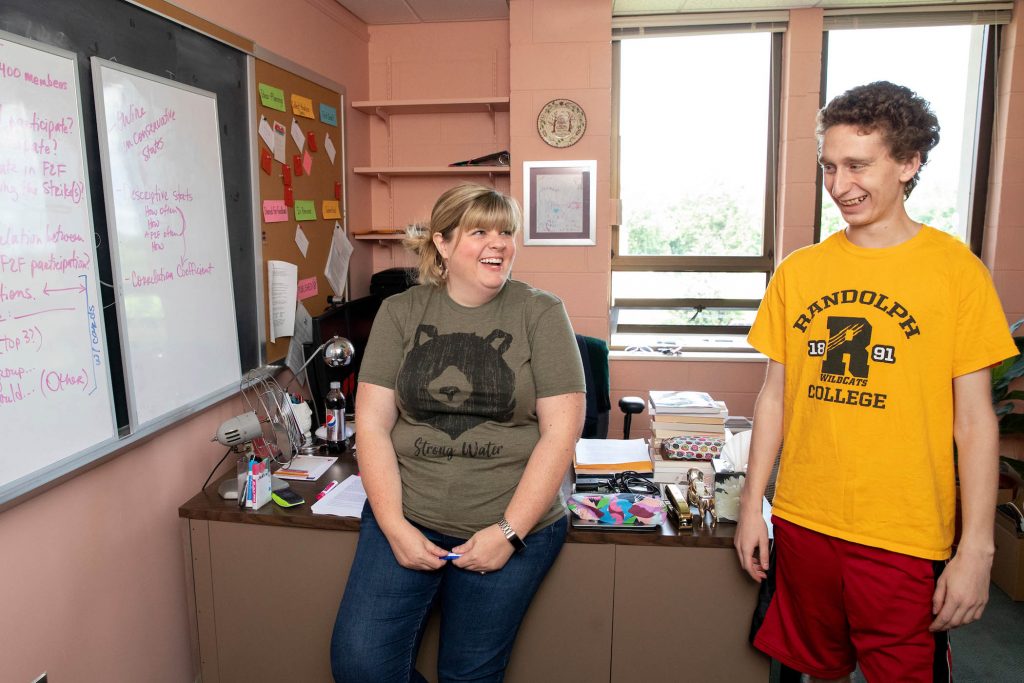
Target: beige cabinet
x=266 y=596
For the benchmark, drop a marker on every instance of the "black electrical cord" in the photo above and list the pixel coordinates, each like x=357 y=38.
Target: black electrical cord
x=633 y=482
x=201 y=488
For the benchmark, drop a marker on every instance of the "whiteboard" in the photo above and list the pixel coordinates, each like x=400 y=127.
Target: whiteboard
x=55 y=393
x=167 y=220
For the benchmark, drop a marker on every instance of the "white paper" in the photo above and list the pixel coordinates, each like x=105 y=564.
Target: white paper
x=283 y=279
x=301 y=241
x=336 y=270
x=280 y=142
x=329 y=146
x=766 y=512
x=297 y=136
x=303 y=335
x=266 y=132
x=610 y=451
x=344 y=500
x=314 y=467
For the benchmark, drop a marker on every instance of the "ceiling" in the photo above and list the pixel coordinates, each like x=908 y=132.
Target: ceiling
x=418 y=11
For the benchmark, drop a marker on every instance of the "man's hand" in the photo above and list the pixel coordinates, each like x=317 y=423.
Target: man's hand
x=413 y=550
x=487 y=551
x=751 y=543
x=961 y=592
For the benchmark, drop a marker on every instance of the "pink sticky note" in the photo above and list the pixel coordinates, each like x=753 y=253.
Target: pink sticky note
x=307 y=288
x=274 y=210
x=307 y=162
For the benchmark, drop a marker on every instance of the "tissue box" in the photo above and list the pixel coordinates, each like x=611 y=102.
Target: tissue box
x=728 y=485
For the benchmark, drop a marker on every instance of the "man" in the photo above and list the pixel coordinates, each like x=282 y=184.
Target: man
x=879 y=341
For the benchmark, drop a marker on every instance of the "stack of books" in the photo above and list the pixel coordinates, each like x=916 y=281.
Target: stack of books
x=683 y=413
x=693 y=418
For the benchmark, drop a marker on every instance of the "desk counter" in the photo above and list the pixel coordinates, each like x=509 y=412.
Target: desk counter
x=266 y=586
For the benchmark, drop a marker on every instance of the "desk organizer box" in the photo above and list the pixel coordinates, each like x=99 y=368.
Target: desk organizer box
x=692 y=447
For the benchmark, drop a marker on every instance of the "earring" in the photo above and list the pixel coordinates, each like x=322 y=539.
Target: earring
x=444 y=270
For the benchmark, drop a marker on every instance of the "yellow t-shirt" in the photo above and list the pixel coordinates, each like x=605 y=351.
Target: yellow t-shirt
x=871 y=340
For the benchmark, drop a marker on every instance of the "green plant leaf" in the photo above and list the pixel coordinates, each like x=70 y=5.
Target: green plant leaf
x=1003 y=375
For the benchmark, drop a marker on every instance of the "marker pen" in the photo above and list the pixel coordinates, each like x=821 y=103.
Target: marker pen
x=452 y=556
x=327 y=489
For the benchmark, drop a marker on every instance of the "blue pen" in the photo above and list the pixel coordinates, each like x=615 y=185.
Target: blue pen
x=451 y=556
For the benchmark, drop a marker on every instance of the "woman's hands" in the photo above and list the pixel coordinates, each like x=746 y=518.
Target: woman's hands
x=486 y=551
x=413 y=550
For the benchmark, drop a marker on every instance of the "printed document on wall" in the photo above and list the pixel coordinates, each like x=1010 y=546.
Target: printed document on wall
x=303 y=335
x=337 y=260
x=283 y=278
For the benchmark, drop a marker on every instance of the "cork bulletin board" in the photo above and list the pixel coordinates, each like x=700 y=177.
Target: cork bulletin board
x=305 y=192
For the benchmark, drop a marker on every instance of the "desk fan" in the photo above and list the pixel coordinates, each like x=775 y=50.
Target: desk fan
x=268 y=430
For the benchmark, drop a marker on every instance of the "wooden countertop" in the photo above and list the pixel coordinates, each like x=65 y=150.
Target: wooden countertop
x=208 y=505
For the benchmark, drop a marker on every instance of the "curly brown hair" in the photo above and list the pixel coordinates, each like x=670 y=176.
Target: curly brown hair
x=906 y=121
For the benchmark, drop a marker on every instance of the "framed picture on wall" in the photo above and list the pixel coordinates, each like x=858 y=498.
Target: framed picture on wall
x=560 y=202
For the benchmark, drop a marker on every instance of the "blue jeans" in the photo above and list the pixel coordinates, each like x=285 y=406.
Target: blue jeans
x=385 y=608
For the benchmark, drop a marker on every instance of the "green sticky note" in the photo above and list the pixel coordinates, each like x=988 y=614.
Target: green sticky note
x=272 y=97
x=305 y=210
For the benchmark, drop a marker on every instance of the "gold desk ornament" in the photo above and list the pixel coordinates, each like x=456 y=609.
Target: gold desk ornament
x=698 y=496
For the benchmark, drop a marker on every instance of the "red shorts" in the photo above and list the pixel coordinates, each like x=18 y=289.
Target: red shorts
x=839 y=604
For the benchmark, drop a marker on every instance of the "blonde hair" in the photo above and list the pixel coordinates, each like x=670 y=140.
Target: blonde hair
x=463 y=206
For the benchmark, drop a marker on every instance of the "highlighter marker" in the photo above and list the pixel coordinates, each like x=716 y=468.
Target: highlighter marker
x=327 y=489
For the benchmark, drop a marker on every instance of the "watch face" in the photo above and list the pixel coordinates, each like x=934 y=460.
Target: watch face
x=561 y=123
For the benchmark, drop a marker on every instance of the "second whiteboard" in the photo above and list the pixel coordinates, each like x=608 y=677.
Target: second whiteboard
x=164 y=190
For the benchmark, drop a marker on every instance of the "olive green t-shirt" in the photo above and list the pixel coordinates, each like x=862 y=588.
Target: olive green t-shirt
x=466 y=382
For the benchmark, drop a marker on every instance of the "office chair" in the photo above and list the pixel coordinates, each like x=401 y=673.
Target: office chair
x=594 y=354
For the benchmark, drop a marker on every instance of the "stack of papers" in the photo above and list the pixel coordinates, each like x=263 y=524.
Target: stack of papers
x=610 y=456
x=306 y=467
x=344 y=500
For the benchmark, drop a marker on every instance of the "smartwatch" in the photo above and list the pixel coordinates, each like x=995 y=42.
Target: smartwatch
x=511 y=535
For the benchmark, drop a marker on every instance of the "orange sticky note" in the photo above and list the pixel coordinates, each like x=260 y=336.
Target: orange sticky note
x=330 y=209
x=302 y=106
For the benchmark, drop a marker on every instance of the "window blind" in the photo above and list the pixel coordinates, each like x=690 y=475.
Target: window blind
x=985 y=14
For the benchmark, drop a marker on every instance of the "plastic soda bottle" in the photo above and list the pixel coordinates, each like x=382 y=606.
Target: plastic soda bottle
x=335 y=415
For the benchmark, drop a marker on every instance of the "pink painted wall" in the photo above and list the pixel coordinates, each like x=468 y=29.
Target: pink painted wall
x=798 y=148
x=447 y=60
x=1004 y=225
x=563 y=50
x=92 y=572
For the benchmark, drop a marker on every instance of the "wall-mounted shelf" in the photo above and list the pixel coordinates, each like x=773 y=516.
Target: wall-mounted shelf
x=385 y=108
x=383 y=173
x=381 y=237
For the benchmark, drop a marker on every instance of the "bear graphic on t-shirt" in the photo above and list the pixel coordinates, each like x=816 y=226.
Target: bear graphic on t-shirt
x=456 y=381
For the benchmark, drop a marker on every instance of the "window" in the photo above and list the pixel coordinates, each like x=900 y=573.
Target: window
x=697 y=130
x=946 y=65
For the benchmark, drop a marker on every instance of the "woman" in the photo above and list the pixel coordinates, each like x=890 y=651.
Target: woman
x=471 y=397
